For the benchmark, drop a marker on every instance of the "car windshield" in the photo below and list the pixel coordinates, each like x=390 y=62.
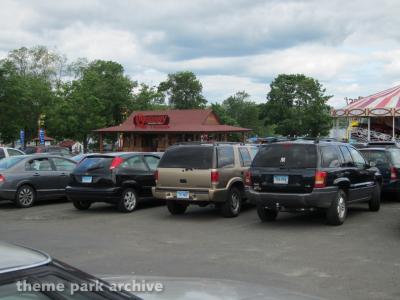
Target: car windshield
x=94 y=163
x=9 y=162
x=288 y=155
x=196 y=157
x=395 y=156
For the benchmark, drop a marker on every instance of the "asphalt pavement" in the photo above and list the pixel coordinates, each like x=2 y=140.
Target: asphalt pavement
x=298 y=252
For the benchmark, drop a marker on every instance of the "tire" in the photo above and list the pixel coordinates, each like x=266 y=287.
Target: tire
x=81 y=204
x=337 y=213
x=176 y=208
x=25 y=196
x=265 y=214
x=233 y=204
x=375 y=203
x=128 y=201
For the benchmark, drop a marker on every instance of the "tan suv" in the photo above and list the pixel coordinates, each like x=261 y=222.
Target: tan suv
x=202 y=174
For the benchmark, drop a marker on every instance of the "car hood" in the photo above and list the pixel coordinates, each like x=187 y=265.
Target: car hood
x=207 y=289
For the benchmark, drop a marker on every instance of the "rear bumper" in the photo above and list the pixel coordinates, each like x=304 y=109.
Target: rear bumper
x=93 y=194
x=7 y=194
x=205 y=195
x=318 y=198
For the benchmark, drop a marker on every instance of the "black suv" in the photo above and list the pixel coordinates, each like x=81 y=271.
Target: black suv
x=387 y=160
x=301 y=175
x=118 y=178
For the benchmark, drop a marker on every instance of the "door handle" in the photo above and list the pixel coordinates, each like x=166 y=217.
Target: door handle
x=36 y=174
x=63 y=174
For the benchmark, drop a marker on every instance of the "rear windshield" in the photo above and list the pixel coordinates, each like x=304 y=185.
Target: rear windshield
x=286 y=156
x=375 y=156
x=395 y=156
x=96 y=163
x=196 y=157
x=9 y=162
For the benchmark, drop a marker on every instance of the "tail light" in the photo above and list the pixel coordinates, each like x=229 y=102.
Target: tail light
x=320 y=179
x=116 y=162
x=247 y=179
x=393 y=173
x=2 y=178
x=156 y=175
x=214 y=177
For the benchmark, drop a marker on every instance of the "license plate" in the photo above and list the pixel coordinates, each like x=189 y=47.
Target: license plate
x=281 y=179
x=86 y=179
x=182 y=194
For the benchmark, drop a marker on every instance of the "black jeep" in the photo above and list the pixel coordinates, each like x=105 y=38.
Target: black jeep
x=307 y=175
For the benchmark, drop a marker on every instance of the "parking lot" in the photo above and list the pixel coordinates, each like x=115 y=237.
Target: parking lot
x=359 y=260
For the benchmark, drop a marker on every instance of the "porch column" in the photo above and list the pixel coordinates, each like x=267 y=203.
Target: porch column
x=394 y=129
x=166 y=141
x=369 y=129
x=101 y=142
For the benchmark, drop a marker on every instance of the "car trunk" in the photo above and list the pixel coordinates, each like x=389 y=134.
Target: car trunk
x=93 y=171
x=285 y=168
x=181 y=177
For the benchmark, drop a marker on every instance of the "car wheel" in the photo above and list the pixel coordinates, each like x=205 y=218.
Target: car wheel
x=81 y=204
x=233 y=204
x=176 y=208
x=128 y=201
x=25 y=197
x=338 y=211
x=265 y=214
x=375 y=203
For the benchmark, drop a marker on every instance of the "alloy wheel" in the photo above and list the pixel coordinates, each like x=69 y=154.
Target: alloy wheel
x=130 y=200
x=25 y=196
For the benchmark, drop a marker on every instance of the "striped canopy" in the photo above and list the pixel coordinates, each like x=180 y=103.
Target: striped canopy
x=385 y=103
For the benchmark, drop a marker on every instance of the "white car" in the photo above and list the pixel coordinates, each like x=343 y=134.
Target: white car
x=7 y=152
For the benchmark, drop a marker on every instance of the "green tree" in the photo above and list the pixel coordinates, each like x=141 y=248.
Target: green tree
x=147 y=98
x=183 y=90
x=297 y=105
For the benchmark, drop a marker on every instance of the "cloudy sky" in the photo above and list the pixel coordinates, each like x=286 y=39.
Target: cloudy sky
x=352 y=47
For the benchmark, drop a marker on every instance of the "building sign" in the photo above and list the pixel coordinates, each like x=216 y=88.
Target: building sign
x=41 y=136
x=143 y=121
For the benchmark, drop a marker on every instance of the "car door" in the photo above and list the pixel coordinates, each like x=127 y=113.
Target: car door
x=365 y=181
x=41 y=173
x=134 y=169
x=63 y=168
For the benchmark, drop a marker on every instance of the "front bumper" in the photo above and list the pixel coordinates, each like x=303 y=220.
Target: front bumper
x=318 y=198
x=93 y=194
x=195 y=195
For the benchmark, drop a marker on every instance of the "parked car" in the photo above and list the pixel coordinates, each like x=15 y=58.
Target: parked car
x=79 y=157
x=30 y=274
x=203 y=174
x=123 y=179
x=27 y=178
x=308 y=175
x=55 y=150
x=8 y=152
x=387 y=160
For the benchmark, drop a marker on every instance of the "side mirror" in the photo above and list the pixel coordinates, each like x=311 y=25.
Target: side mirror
x=372 y=164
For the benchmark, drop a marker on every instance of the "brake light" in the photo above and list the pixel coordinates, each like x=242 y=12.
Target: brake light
x=214 y=177
x=2 y=178
x=156 y=175
x=247 y=179
x=116 y=162
x=393 y=173
x=320 y=179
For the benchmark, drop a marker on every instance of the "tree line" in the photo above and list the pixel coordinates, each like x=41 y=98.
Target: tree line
x=73 y=98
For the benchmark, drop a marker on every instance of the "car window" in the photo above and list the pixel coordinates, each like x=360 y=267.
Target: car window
x=395 y=156
x=359 y=161
x=348 y=160
x=63 y=164
x=152 y=161
x=13 y=152
x=330 y=157
x=196 y=157
x=11 y=292
x=39 y=164
x=253 y=151
x=225 y=157
x=375 y=157
x=94 y=163
x=245 y=158
x=2 y=154
x=286 y=155
x=9 y=162
x=135 y=163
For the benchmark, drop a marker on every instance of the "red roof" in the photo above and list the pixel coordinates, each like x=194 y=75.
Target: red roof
x=180 y=120
x=66 y=143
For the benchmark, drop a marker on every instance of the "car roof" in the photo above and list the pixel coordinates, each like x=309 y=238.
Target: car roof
x=374 y=149
x=15 y=258
x=307 y=142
